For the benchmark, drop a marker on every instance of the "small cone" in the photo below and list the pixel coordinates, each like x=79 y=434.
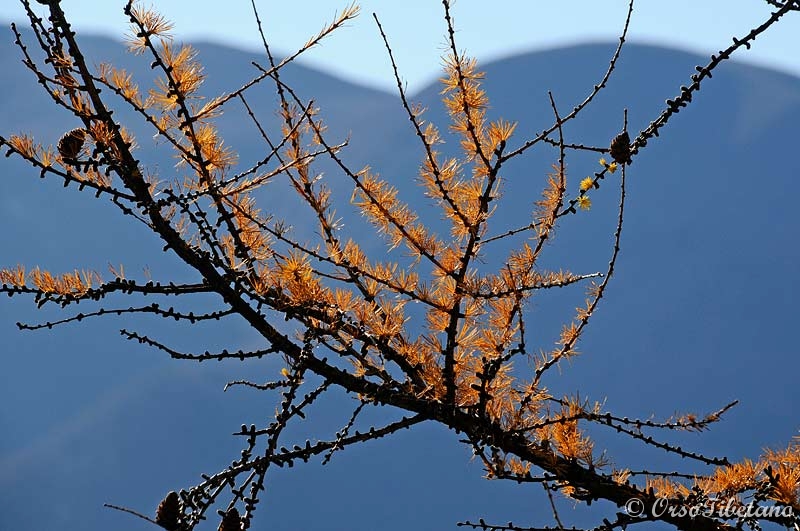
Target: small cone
x=70 y=145
x=621 y=148
x=169 y=511
x=231 y=521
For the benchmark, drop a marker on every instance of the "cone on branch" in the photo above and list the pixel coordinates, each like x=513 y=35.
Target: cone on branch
x=231 y=521
x=621 y=148
x=70 y=145
x=168 y=514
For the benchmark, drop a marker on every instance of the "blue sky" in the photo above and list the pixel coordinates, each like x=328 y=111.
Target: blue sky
x=416 y=29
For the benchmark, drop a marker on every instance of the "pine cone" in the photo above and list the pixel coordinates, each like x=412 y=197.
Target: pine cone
x=231 y=521
x=168 y=514
x=621 y=148
x=70 y=145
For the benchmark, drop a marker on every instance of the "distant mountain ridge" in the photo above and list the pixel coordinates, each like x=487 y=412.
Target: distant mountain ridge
x=701 y=311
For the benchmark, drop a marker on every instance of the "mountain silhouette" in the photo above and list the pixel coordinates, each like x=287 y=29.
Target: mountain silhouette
x=700 y=313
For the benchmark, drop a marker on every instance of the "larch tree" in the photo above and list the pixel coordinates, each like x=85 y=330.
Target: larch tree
x=435 y=334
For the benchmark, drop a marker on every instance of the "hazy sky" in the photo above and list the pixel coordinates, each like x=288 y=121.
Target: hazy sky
x=485 y=30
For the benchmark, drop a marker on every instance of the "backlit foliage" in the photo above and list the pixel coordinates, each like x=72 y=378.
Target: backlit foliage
x=433 y=328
